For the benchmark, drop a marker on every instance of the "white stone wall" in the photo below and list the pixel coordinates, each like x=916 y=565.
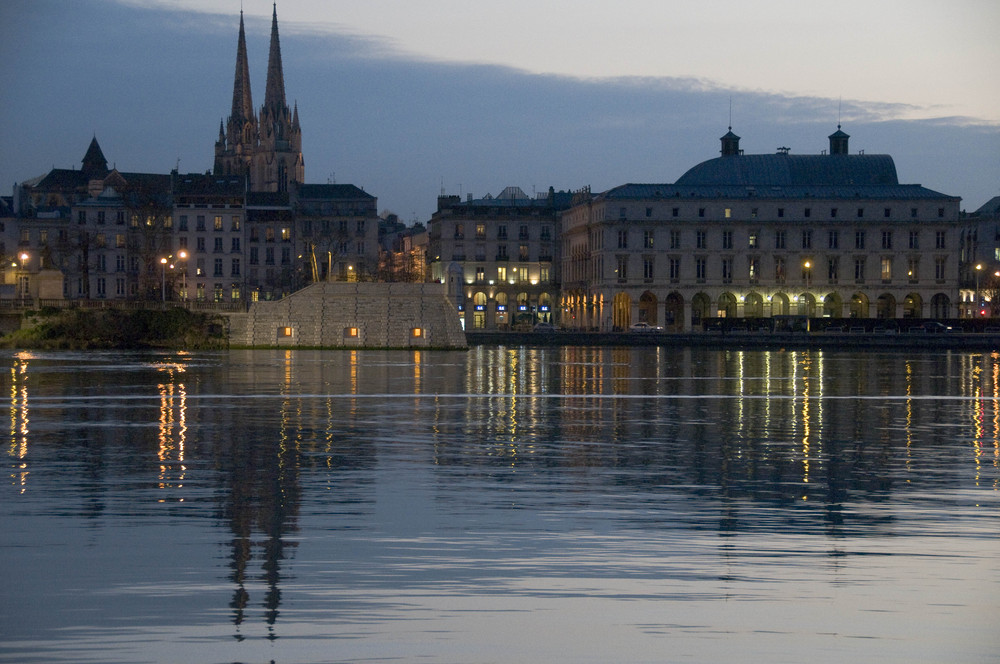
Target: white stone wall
x=384 y=315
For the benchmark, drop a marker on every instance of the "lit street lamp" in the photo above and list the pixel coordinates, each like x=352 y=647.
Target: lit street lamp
x=163 y=279
x=979 y=269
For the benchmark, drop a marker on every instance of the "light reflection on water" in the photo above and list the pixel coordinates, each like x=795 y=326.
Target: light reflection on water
x=504 y=504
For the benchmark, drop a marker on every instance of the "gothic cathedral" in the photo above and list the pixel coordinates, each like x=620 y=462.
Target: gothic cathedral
x=266 y=149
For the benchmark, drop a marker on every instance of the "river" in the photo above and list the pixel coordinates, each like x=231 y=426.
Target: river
x=504 y=504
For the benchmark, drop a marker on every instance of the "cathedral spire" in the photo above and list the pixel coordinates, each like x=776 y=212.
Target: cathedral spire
x=242 y=100
x=274 y=94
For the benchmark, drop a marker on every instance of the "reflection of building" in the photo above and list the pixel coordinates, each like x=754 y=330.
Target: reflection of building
x=506 y=248
x=755 y=236
x=980 y=246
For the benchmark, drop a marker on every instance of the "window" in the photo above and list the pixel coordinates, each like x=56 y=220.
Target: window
x=675 y=212
x=753 y=268
x=543 y=275
x=81 y=217
x=859 y=239
x=861 y=213
x=675 y=270
x=217 y=222
x=622 y=269
x=480 y=231
x=235 y=246
x=269 y=255
x=807 y=239
x=235 y=272
x=200 y=222
x=101 y=287
x=886 y=269
x=727 y=239
x=120 y=218
x=350 y=332
x=779 y=269
x=183 y=223
x=235 y=224
x=700 y=239
x=753 y=242
x=647 y=268
x=200 y=244
x=727 y=270
x=887 y=239
x=217 y=246
x=833 y=240
x=286 y=255
x=285 y=331
x=807 y=213
x=728 y=213
x=623 y=239
x=833 y=269
x=833 y=213
x=200 y=267
x=360 y=225
x=254 y=256
x=940 y=213
x=913 y=213
x=939 y=240
x=100 y=217
x=913 y=269
x=480 y=273
x=859 y=270
x=622 y=213
x=939 y=269
x=649 y=212
x=779 y=239
x=502 y=274
x=502 y=232
x=914 y=239
x=102 y=263
x=268 y=234
x=459 y=231
x=522 y=252
x=217 y=268
x=675 y=239
x=286 y=234
x=700 y=269
x=781 y=212
x=647 y=239
x=119 y=263
x=546 y=233
x=887 y=213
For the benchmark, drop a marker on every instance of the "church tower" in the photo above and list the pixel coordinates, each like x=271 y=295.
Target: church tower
x=237 y=142
x=278 y=162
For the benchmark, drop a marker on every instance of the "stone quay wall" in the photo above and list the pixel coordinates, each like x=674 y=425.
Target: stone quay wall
x=352 y=315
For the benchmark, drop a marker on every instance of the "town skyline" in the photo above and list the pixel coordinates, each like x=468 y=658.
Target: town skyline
x=406 y=129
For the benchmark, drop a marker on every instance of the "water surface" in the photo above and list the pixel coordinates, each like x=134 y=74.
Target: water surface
x=501 y=505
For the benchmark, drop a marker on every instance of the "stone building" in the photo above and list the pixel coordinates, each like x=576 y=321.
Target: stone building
x=505 y=250
x=757 y=236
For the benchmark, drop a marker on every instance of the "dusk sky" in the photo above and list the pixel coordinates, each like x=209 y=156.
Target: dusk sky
x=409 y=99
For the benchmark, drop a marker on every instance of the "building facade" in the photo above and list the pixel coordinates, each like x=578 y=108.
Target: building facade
x=506 y=250
x=758 y=236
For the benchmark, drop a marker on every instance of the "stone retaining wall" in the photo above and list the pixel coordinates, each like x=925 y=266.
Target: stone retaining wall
x=352 y=315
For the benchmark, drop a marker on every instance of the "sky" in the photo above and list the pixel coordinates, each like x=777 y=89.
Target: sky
x=411 y=100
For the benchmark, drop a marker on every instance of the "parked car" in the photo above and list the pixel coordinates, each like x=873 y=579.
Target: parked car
x=932 y=327
x=644 y=327
x=543 y=327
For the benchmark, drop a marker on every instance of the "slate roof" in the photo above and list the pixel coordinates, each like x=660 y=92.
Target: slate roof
x=331 y=192
x=786 y=170
x=990 y=208
x=653 y=191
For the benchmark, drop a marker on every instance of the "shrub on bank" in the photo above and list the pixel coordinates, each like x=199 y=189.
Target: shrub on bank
x=118 y=328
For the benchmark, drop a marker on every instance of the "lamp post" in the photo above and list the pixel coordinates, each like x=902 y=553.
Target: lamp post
x=163 y=279
x=182 y=255
x=979 y=269
x=22 y=281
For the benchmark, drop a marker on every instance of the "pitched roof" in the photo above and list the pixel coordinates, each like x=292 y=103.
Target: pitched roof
x=331 y=191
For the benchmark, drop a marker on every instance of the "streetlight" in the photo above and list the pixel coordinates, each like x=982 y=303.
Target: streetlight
x=808 y=271
x=23 y=279
x=979 y=268
x=182 y=255
x=163 y=279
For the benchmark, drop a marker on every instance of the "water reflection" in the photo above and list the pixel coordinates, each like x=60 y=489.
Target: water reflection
x=382 y=456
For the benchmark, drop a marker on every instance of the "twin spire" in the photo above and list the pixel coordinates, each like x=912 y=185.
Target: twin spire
x=264 y=147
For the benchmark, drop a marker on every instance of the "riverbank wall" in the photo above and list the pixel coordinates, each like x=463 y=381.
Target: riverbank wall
x=352 y=315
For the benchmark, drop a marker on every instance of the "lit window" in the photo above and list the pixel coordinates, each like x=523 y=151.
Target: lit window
x=417 y=332
x=285 y=331
x=350 y=332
